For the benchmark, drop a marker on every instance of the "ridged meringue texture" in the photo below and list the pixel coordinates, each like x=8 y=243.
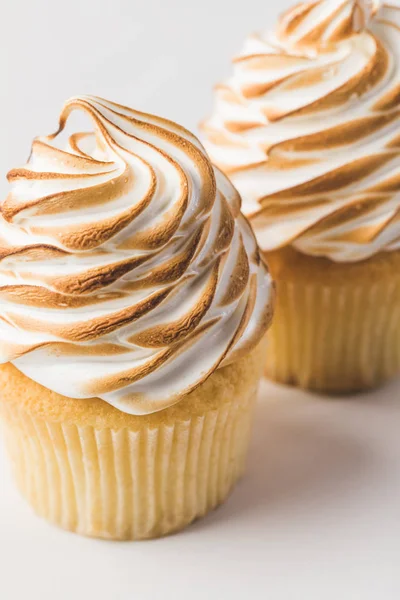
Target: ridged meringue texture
x=127 y=271
x=307 y=128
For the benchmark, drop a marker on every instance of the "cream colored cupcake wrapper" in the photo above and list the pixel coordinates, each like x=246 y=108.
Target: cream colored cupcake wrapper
x=335 y=339
x=126 y=484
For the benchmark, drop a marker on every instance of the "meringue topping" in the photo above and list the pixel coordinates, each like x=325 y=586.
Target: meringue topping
x=307 y=128
x=127 y=271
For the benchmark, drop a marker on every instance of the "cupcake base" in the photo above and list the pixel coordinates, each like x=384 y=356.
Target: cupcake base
x=91 y=469
x=337 y=325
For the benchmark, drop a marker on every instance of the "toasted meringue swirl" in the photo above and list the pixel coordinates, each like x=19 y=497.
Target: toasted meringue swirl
x=127 y=271
x=308 y=130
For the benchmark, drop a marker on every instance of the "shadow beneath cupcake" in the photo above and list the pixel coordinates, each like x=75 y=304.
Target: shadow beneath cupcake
x=307 y=453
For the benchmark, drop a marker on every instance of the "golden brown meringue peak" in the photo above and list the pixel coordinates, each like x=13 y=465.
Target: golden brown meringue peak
x=308 y=129
x=127 y=271
x=324 y=22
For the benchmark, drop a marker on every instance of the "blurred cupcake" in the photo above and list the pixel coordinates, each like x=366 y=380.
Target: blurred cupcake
x=308 y=130
x=133 y=305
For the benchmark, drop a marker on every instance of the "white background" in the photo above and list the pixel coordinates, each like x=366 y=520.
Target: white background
x=317 y=516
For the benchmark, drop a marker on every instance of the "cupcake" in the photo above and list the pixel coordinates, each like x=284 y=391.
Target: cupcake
x=133 y=310
x=308 y=130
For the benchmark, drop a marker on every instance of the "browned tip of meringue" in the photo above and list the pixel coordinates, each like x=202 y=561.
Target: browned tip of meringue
x=372 y=73
x=164 y=129
x=323 y=22
x=294 y=16
x=129 y=376
x=93 y=328
x=63 y=202
x=339 y=135
x=160 y=336
x=333 y=180
x=266 y=319
x=40 y=297
x=31 y=253
x=390 y=100
x=239 y=278
x=359 y=233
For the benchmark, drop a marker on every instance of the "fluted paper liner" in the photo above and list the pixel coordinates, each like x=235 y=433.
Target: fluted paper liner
x=139 y=477
x=129 y=484
x=335 y=338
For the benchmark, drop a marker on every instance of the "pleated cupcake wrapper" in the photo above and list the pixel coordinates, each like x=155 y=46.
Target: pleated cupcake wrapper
x=124 y=484
x=337 y=339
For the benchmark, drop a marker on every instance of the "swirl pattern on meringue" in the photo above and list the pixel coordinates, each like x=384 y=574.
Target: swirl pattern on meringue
x=127 y=271
x=307 y=128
